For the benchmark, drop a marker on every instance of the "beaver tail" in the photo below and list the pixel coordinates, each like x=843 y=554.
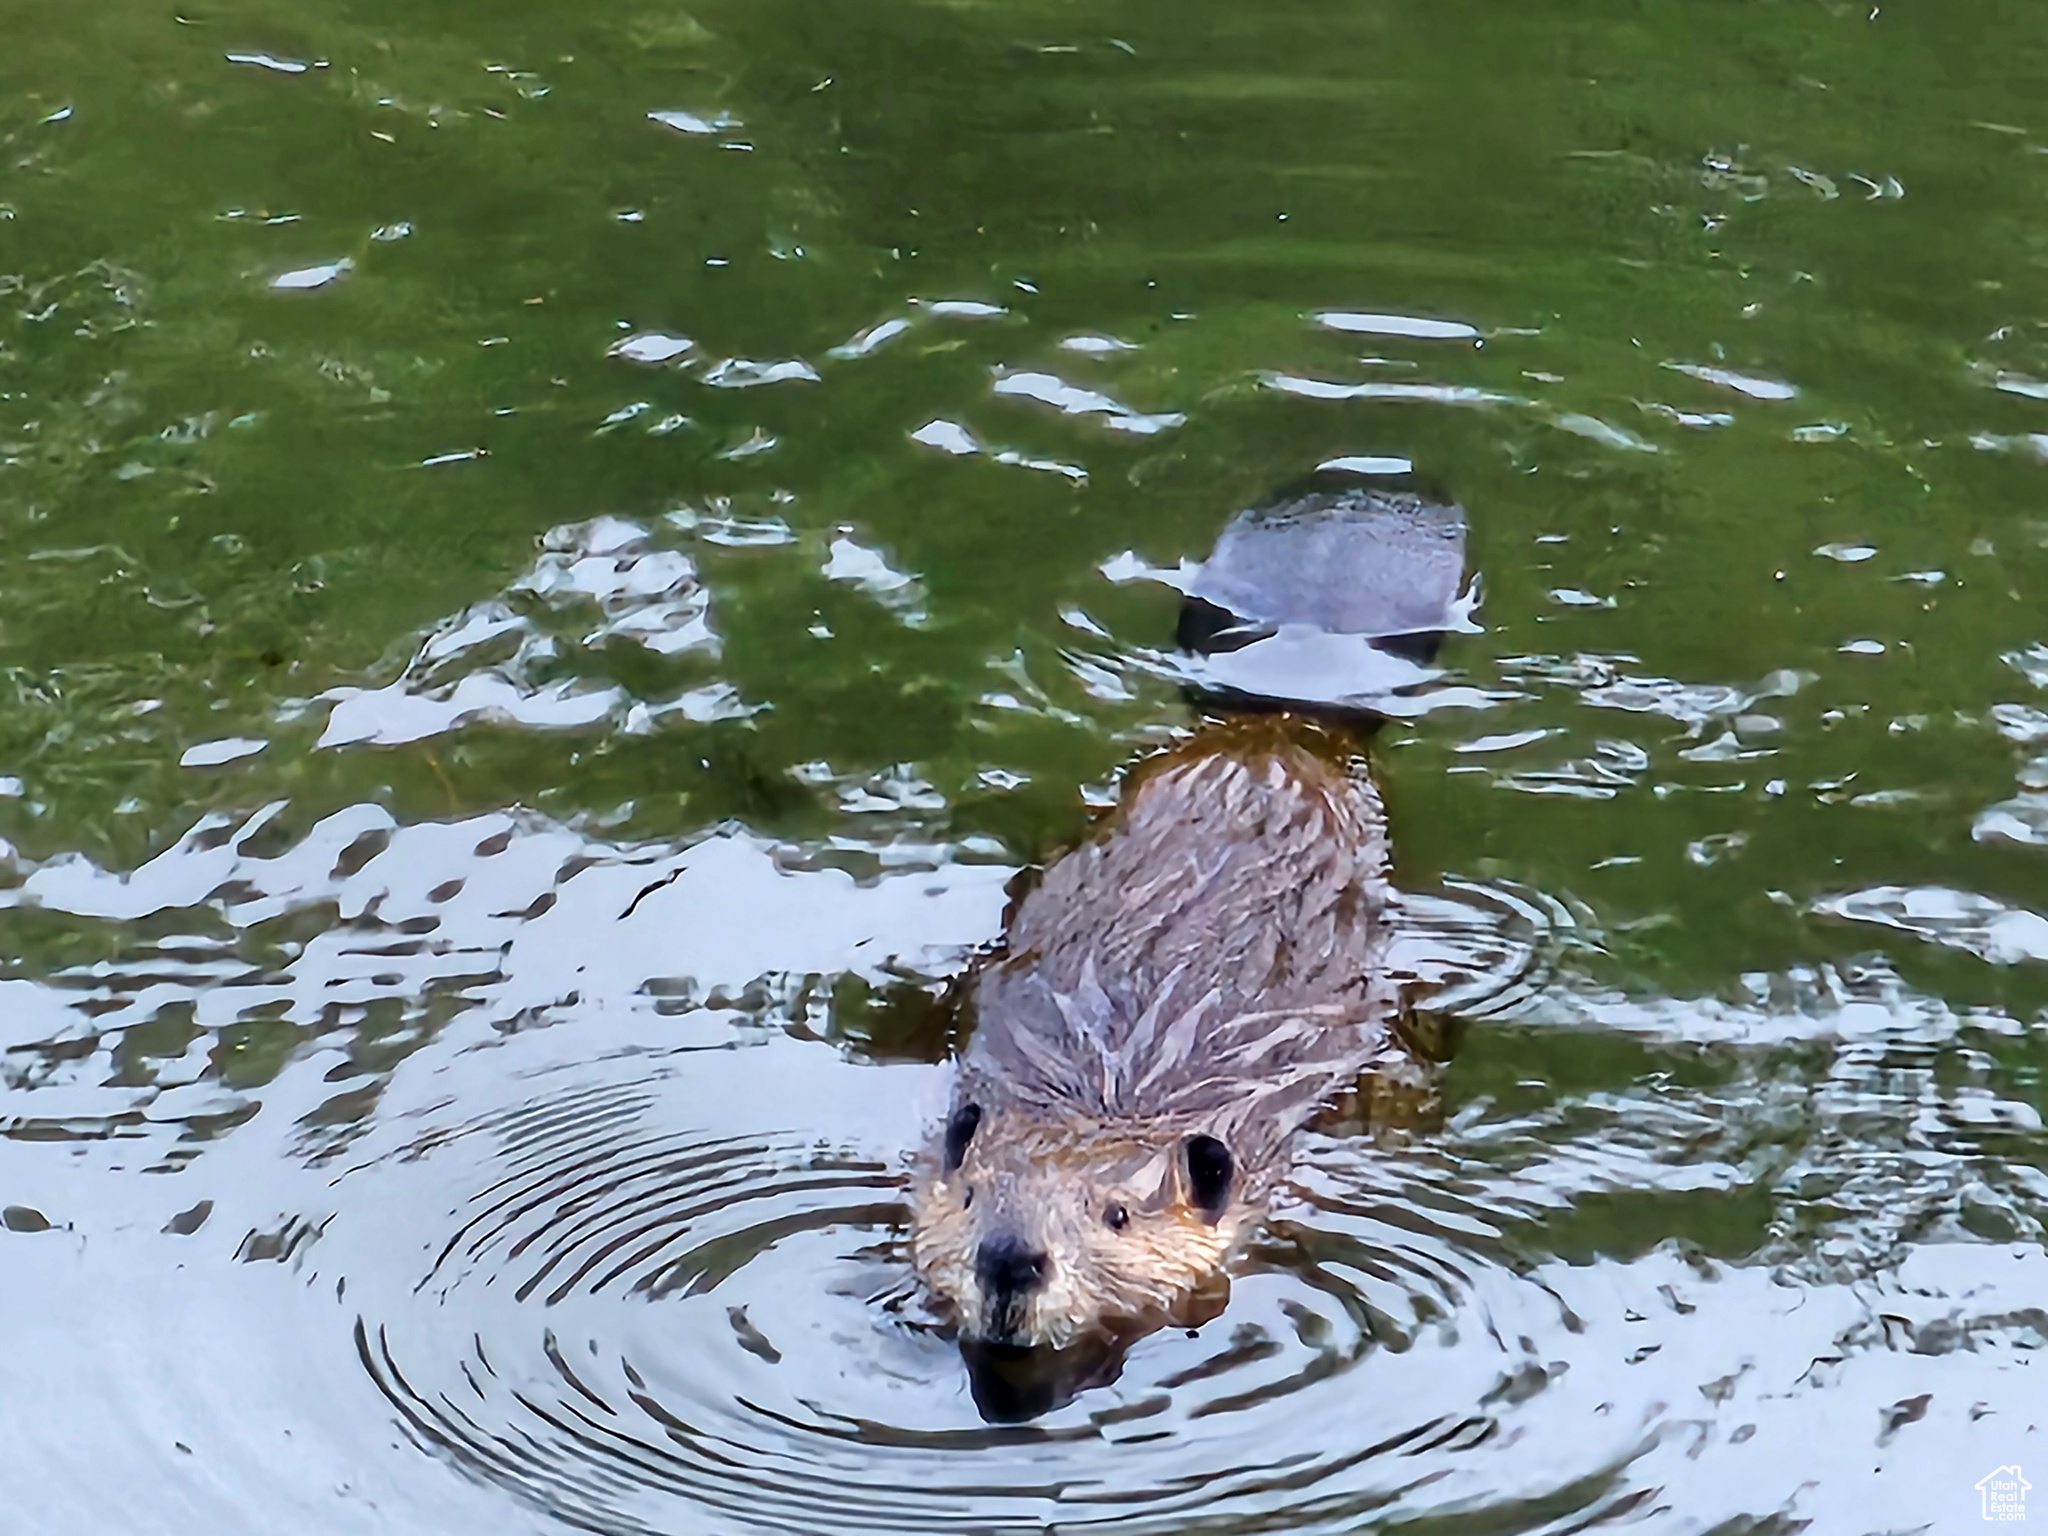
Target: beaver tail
x=1331 y=600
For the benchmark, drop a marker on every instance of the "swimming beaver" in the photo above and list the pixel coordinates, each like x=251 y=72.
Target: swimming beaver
x=1181 y=993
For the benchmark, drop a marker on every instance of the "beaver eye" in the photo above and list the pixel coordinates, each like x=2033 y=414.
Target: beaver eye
x=1210 y=1171
x=1117 y=1217
x=967 y=1198
x=960 y=1131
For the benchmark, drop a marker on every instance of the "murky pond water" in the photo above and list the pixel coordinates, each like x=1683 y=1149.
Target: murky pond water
x=553 y=563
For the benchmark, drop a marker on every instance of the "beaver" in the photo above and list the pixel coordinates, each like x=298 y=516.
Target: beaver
x=1180 y=994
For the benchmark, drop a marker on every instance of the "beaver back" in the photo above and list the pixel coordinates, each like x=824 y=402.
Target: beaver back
x=1213 y=959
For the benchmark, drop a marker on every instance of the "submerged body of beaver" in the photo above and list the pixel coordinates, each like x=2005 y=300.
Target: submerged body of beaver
x=1181 y=994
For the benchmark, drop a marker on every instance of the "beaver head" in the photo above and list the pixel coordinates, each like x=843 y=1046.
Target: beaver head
x=1040 y=1232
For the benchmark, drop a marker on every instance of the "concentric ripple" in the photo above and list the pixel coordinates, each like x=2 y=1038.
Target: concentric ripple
x=621 y=1303
x=1475 y=948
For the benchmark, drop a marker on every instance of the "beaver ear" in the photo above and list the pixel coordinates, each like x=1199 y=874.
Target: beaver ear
x=960 y=1131
x=1210 y=1171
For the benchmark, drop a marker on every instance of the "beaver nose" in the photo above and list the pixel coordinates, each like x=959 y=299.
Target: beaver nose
x=1007 y=1265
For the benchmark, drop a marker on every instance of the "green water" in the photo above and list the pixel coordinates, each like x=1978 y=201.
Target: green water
x=310 y=322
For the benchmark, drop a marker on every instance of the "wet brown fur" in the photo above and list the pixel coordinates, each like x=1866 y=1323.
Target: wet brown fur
x=1210 y=963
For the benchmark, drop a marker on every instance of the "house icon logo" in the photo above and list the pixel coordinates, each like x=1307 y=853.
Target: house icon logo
x=2005 y=1494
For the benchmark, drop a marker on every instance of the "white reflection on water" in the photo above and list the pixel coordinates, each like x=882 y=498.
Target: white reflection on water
x=1982 y=925
x=1606 y=434
x=949 y=437
x=854 y=563
x=499 y=660
x=511 y=912
x=747 y=373
x=1097 y=346
x=635 y=1265
x=1360 y=324
x=1742 y=383
x=694 y=124
x=650 y=347
x=872 y=339
x=303 y=279
x=1372 y=389
x=1072 y=400
x=614 y=1232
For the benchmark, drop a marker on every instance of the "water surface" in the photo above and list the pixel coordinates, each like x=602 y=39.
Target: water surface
x=553 y=563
